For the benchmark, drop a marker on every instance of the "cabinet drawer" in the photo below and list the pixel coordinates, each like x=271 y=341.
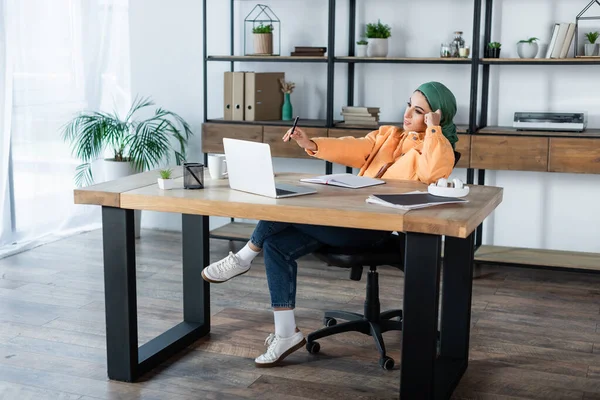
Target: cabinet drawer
x=213 y=134
x=509 y=153
x=273 y=136
x=463 y=146
x=574 y=155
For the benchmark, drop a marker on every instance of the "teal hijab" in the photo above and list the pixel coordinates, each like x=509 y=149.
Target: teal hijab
x=441 y=98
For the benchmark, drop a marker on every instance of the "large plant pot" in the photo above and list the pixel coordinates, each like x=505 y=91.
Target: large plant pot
x=591 y=49
x=527 y=50
x=118 y=169
x=263 y=43
x=377 y=47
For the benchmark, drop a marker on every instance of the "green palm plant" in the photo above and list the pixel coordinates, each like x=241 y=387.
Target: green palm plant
x=143 y=143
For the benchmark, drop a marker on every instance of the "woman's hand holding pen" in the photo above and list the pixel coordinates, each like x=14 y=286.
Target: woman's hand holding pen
x=301 y=139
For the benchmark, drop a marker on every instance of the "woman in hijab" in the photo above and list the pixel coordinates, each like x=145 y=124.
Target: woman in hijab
x=423 y=150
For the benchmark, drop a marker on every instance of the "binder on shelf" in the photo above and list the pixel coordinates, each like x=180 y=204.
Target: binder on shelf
x=233 y=96
x=263 y=96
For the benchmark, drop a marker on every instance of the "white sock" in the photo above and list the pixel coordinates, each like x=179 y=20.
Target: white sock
x=285 y=323
x=246 y=255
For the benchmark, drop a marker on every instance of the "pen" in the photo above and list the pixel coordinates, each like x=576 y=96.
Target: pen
x=293 y=128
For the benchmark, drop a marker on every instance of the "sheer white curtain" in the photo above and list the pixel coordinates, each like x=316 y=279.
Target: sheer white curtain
x=61 y=56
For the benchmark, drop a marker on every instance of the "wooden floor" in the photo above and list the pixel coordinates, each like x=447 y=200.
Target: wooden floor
x=535 y=333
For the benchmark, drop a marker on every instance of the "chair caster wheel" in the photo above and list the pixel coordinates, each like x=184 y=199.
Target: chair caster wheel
x=327 y=321
x=386 y=363
x=313 y=347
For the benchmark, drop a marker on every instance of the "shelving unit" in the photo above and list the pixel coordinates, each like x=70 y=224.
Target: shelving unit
x=482 y=147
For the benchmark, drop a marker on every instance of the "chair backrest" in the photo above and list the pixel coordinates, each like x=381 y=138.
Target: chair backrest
x=456 y=157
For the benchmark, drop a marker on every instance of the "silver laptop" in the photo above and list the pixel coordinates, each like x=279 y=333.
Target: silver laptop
x=250 y=169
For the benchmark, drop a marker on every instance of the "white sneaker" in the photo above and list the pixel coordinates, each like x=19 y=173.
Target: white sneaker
x=279 y=348
x=225 y=269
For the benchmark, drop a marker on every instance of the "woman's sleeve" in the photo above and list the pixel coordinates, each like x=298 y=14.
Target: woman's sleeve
x=347 y=150
x=437 y=157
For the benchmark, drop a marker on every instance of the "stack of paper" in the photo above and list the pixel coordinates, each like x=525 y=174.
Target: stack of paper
x=344 y=180
x=412 y=200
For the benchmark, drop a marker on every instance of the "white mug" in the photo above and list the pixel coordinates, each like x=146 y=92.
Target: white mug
x=217 y=166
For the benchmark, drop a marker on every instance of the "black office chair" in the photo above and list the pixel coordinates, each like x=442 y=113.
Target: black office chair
x=373 y=322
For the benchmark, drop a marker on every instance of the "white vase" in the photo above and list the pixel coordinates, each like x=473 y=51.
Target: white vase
x=527 y=50
x=377 y=47
x=118 y=169
x=166 y=184
x=591 y=49
x=361 y=50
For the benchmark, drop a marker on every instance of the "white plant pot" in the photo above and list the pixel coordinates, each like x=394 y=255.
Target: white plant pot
x=591 y=49
x=527 y=50
x=361 y=50
x=378 y=47
x=166 y=184
x=118 y=169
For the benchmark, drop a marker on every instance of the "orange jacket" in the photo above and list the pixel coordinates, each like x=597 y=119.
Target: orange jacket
x=390 y=153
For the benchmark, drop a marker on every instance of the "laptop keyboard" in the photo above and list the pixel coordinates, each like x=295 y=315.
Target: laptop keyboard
x=281 y=192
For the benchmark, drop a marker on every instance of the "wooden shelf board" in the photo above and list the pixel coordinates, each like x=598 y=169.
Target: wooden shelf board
x=234 y=231
x=416 y=60
x=506 y=130
x=533 y=61
x=539 y=257
x=268 y=58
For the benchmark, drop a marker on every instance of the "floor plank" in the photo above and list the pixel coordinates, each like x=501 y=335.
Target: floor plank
x=535 y=333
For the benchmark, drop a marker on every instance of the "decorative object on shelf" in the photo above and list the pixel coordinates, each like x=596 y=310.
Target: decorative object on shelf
x=286 y=110
x=361 y=48
x=377 y=35
x=456 y=44
x=165 y=182
x=527 y=48
x=308 y=51
x=493 y=49
x=445 y=51
x=464 y=52
x=193 y=176
x=591 y=48
x=262 y=21
x=580 y=17
x=360 y=116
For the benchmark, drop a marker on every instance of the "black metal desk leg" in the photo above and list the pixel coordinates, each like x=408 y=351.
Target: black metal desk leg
x=456 y=298
x=196 y=256
x=120 y=293
x=419 y=328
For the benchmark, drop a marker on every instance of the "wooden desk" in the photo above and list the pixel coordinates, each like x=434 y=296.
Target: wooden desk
x=424 y=373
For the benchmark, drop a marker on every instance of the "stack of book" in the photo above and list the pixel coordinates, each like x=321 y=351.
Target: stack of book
x=560 y=42
x=306 y=51
x=360 y=116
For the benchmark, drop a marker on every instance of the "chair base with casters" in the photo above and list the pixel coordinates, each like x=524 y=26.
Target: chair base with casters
x=373 y=322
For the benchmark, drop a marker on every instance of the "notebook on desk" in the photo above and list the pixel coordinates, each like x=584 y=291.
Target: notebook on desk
x=344 y=180
x=413 y=200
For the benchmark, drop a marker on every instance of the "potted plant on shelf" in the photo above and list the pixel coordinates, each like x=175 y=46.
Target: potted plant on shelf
x=493 y=49
x=361 y=48
x=377 y=35
x=263 y=39
x=527 y=48
x=165 y=182
x=591 y=48
x=135 y=144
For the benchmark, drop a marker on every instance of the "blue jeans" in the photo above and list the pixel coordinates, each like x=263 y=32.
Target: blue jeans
x=283 y=243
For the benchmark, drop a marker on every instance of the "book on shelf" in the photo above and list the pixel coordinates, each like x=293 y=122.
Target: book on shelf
x=412 y=200
x=360 y=110
x=305 y=51
x=344 y=180
x=362 y=116
x=560 y=40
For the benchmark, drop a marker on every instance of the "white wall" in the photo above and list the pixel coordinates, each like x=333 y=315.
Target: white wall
x=541 y=210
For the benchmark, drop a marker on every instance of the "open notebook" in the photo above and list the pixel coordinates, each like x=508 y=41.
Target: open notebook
x=344 y=180
x=412 y=200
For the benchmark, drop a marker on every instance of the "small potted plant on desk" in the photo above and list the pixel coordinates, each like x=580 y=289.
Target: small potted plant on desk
x=378 y=35
x=263 y=39
x=527 y=48
x=361 y=48
x=493 y=50
x=165 y=182
x=591 y=49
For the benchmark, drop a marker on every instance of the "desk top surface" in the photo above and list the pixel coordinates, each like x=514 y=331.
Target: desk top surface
x=334 y=206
